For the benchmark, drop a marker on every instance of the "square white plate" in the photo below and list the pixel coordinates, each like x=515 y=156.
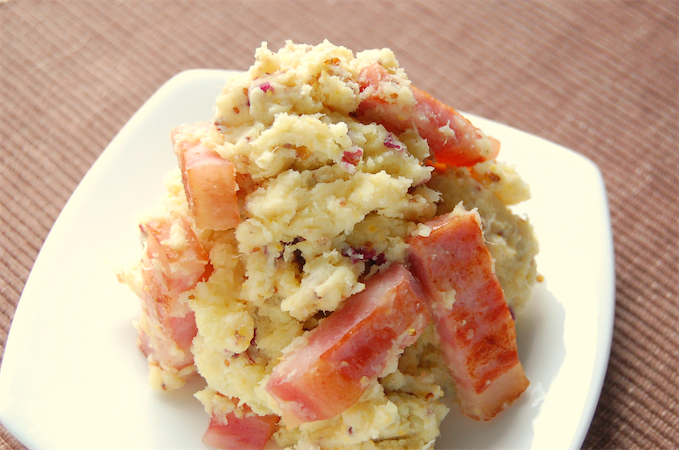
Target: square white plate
x=72 y=376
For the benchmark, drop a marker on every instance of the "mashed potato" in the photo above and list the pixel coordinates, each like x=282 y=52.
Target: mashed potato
x=326 y=201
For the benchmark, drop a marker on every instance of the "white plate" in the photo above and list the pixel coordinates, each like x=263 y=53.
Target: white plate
x=73 y=378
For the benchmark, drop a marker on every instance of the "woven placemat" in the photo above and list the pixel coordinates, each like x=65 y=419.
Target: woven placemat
x=597 y=76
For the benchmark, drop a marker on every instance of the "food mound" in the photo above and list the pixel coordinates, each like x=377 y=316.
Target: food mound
x=333 y=253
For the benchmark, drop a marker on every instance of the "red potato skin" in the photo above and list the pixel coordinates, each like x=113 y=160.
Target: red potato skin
x=466 y=147
x=477 y=334
x=209 y=181
x=165 y=275
x=248 y=432
x=350 y=347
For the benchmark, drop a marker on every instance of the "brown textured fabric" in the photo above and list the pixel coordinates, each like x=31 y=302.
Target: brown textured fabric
x=598 y=76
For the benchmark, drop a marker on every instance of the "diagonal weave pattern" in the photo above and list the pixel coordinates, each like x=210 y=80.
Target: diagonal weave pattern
x=599 y=77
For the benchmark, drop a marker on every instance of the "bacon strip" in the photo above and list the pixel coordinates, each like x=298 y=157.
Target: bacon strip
x=209 y=181
x=350 y=348
x=167 y=326
x=477 y=333
x=452 y=138
x=247 y=432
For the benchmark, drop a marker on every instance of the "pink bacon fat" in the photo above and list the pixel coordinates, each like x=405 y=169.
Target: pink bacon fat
x=452 y=138
x=167 y=326
x=209 y=181
x=242 y=430
x=477 y=333
x=350 y=348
